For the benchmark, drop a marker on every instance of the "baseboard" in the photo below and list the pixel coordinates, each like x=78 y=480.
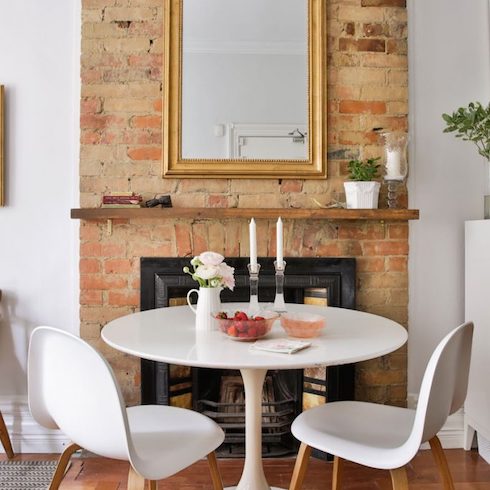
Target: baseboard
x=26 y=435
x=452 y=434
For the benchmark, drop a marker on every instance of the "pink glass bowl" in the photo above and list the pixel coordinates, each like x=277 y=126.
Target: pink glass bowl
x=246 y=330
x=302 y=325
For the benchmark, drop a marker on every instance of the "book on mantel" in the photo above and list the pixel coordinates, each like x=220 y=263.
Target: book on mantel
x=122 y=205
x=122 y=200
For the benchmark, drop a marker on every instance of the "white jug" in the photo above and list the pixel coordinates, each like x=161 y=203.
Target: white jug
x=208 y=302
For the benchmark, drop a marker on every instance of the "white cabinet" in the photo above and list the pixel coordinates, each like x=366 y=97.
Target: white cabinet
x=477 y=308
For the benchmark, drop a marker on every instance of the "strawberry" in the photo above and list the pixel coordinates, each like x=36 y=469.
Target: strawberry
x=259 y=318
x=222 y=315
x=241 y=315
x=232 y=331
x=240 y=326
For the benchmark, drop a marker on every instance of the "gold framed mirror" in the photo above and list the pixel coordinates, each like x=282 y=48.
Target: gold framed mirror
x=244 y=89
x=2 y=145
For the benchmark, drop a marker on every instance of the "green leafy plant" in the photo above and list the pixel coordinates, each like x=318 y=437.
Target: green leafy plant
x=471 y=123
x=361 y=170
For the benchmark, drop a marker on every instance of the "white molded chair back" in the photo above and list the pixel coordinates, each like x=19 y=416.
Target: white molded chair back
x=445 y=383
x=387 y=437
x=72 y=387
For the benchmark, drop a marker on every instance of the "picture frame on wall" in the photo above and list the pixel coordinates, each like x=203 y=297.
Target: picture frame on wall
x=2 y=146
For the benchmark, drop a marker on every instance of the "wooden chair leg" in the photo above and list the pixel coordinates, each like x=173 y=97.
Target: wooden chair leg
x=153 y=484
x=62 y=464
x=300 y=467
x=215 y=474
x=5 y=438
x=399 y=478
x=338 y=469
x=135 y=480
x=441 y=461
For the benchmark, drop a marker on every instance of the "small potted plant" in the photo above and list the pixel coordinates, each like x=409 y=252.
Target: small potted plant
x=361 y=191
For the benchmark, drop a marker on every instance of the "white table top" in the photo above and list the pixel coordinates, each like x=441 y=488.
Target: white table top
x=169 y=335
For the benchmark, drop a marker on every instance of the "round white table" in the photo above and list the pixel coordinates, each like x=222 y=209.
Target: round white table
x=168 y=335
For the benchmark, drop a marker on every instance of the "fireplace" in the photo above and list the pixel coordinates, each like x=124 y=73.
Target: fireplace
x=219 y=393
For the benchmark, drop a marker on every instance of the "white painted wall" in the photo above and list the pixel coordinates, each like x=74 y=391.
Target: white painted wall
x=449 y=67
x=39 y=66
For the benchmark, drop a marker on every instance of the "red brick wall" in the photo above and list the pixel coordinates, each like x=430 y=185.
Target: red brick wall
x=121 y=148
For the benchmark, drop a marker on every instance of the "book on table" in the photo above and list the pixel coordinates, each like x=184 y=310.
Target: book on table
x=280 y=346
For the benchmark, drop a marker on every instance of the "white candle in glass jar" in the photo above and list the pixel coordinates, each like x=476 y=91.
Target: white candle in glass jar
x=393 y=165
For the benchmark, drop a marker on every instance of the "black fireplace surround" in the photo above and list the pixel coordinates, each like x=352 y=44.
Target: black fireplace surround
x=163 y=283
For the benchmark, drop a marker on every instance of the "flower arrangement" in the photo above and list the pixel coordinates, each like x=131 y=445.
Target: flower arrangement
x=210 y=271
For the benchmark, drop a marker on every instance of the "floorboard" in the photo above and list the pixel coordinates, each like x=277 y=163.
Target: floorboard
x=469 y=470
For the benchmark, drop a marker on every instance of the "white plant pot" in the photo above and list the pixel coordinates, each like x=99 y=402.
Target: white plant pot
x=362 y=195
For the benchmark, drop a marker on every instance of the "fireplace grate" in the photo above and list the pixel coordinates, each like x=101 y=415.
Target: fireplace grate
x=276 y=425
x=279 y=408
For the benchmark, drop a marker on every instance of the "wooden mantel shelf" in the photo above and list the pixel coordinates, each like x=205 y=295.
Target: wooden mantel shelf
x=245 y=213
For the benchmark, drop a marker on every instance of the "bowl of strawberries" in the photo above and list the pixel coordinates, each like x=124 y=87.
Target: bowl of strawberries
x=240 y=325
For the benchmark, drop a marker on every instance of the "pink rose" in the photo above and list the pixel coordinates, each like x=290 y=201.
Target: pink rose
x=227 y=273
x=211 y=258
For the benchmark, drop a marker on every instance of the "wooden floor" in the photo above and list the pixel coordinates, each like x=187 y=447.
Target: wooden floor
x=469 y=471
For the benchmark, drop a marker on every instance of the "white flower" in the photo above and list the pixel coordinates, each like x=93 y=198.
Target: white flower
x=195 y=262
x=215 y=282
x=211 y=258
x=207 y=271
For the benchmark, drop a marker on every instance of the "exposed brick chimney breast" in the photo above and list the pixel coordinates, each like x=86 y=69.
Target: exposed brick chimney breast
x=121 y=149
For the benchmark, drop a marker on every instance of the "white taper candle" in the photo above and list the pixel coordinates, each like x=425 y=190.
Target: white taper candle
x=253 y=243
x=279 y=243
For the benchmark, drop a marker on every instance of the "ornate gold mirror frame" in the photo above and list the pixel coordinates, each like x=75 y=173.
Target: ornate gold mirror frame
x=313 y=167
x=2 y=149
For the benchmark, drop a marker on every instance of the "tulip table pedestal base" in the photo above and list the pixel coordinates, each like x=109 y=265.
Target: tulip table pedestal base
x=253 y=477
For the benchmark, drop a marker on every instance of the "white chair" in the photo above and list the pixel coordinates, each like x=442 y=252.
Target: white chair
x=5 y=438
x=386 y=437
x=4 y=434
x=72 y=387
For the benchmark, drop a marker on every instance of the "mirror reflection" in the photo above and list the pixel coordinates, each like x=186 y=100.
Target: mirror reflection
x=245 y=80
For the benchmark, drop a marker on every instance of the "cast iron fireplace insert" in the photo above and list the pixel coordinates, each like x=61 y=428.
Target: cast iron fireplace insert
x=217 y=392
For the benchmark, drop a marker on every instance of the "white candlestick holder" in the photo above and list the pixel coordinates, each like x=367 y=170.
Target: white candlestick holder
x=253 y=271
x=279 y=304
